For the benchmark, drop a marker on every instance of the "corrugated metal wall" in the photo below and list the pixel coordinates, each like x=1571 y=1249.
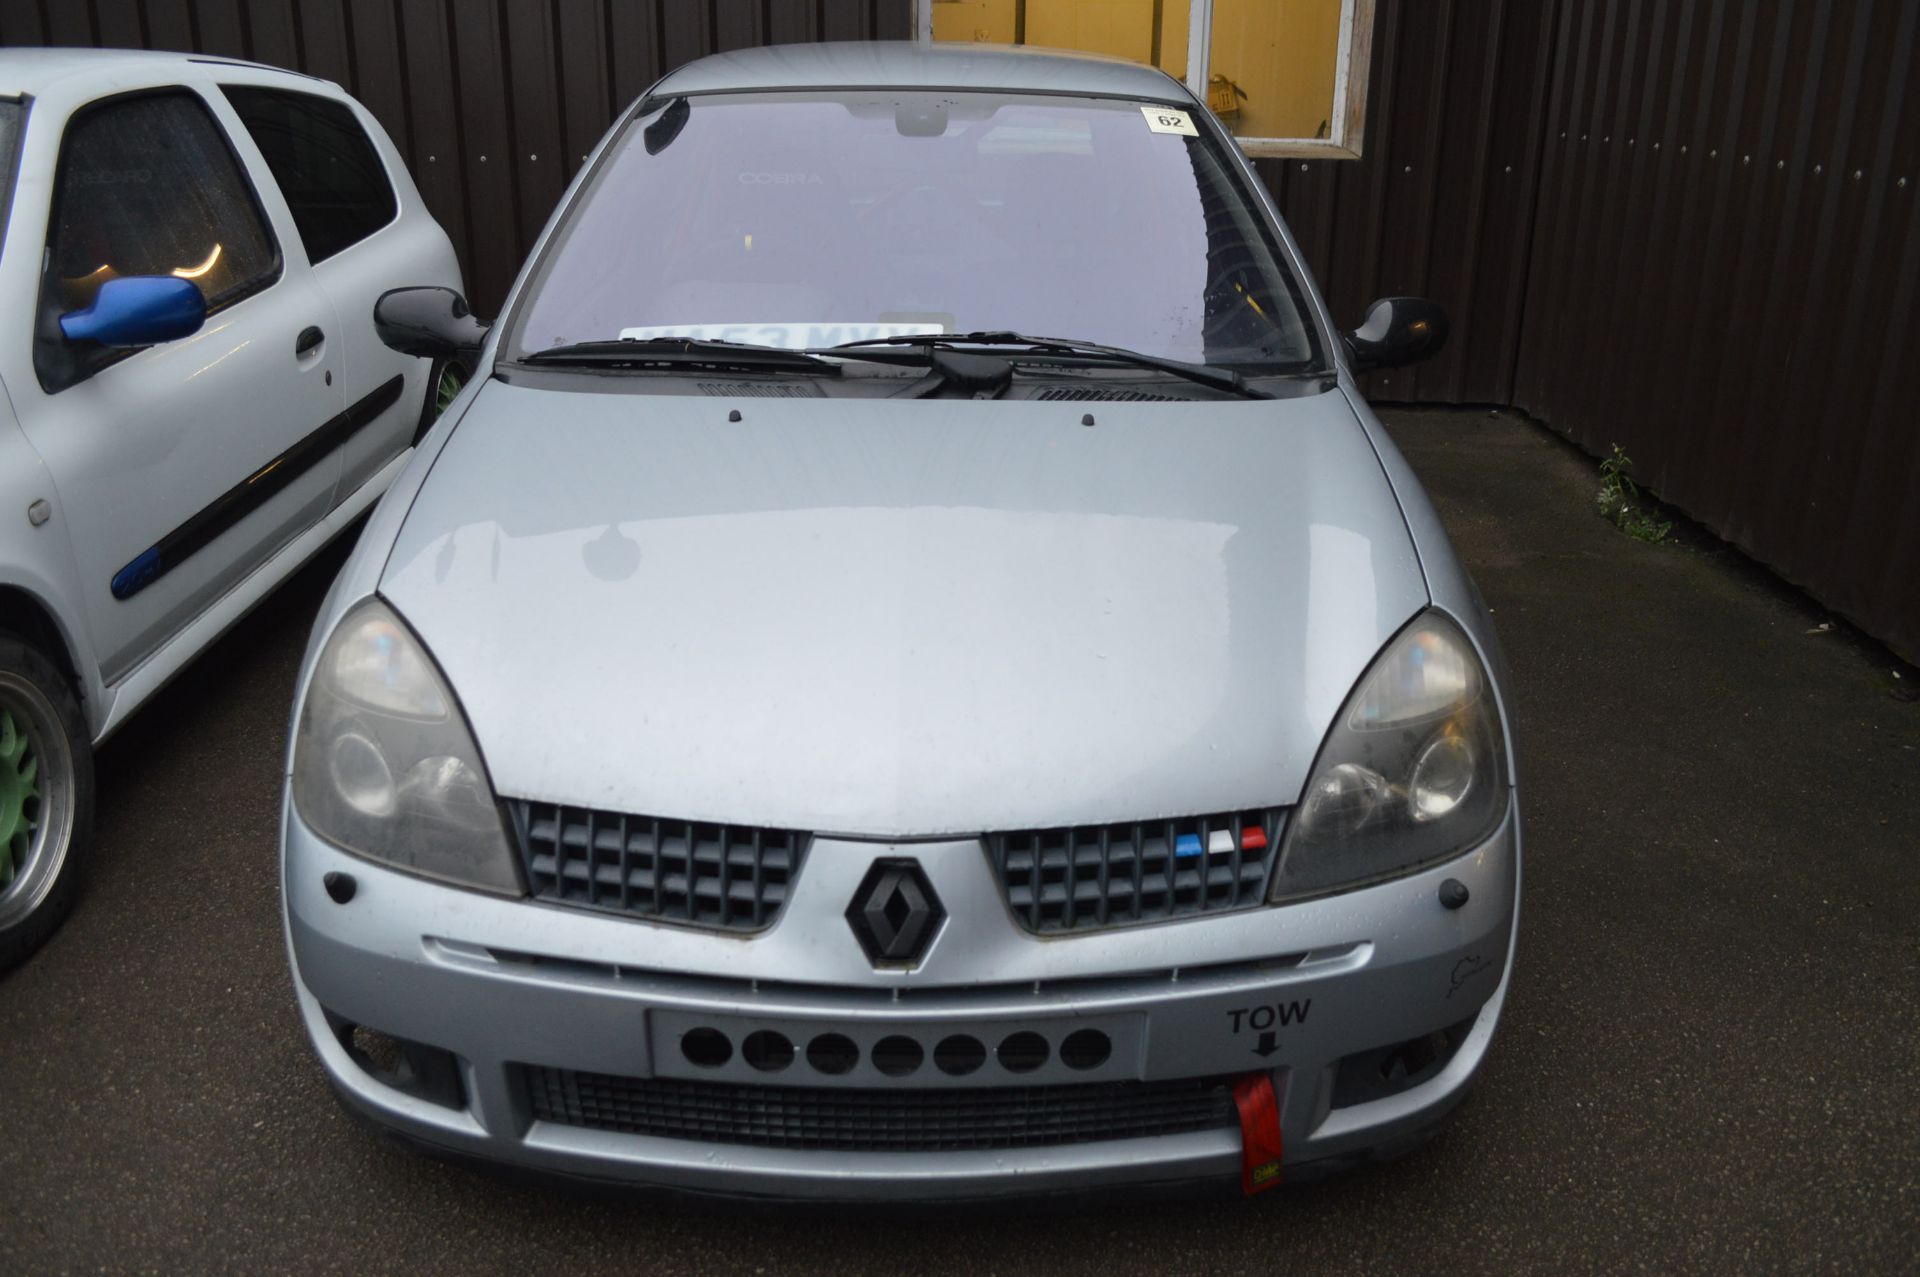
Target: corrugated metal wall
x=1723 y=277
x=1688 y=227
x=1691 y=228
x=1442 y=202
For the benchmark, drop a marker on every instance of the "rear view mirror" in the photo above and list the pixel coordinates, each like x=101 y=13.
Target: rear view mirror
x=431 y=322
x=1397 y=331
x=139 y=310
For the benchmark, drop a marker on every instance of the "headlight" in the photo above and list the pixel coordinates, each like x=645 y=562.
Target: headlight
x=385 y=766
x=1413 y=772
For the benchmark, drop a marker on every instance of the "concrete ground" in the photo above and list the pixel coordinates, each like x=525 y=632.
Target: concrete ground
x=1709 y=1059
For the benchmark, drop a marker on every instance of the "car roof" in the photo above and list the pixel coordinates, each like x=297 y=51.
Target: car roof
x=921 y=65
x=34 y=70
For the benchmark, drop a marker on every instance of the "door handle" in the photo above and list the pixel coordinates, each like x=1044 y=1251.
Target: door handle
x=307 y=341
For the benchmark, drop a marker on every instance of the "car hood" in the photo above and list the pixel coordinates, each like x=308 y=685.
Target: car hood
x=896 y=618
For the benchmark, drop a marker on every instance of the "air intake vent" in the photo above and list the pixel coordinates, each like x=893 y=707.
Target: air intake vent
x=1086 y=878
x=762 y=389
x=729 y=877
x=1110 y=393
x=877 y=1121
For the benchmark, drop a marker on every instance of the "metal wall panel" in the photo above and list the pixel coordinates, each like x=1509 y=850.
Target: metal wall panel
x=1686 y=226
x=1689 y=227
x=1441 y=204
x=1723 y=277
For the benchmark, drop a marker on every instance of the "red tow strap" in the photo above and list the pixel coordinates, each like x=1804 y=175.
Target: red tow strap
x=1259 y=1132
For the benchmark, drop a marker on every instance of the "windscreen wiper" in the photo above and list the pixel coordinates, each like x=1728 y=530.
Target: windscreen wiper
x=680 y=352
x=1218 y=378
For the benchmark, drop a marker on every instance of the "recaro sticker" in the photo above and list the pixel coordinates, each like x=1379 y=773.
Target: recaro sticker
x=1165 y=119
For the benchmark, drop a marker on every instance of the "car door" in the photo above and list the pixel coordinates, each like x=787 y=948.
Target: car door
x=342 y=199
x=180 y=467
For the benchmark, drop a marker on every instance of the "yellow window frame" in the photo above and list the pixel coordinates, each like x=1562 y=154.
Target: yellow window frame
x=1353 y=59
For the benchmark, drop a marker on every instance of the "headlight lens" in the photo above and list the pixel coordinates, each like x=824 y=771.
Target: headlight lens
x=1413 y=772
x=385 y=766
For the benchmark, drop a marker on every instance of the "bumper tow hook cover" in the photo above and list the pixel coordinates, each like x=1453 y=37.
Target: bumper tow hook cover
x=1260 y=1147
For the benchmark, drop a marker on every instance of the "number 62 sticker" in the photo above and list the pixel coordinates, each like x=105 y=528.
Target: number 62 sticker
x=1166 y=119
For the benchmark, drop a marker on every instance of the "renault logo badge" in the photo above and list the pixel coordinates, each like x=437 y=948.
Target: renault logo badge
x=894 y=913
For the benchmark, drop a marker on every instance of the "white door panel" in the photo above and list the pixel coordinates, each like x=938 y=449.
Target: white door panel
x=353 y=281
x=188 y=432
x=355 y=218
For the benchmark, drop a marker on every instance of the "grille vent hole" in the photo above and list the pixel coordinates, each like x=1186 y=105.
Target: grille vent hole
x=832 y=1053
x=381 y=1052
x=1085 y=1049
x=959 y=1055
x=706 y=1048
x=897 y=1056
x=414 y=1068
x=1023 y=1052
x=767 y=1051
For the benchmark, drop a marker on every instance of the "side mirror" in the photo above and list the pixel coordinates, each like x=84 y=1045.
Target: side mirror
x=431 y=322
x=138 y=310
x=1397 y=331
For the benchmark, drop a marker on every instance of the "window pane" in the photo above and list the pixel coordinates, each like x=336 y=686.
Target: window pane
x=1271 y=74
x=1150 y=31
x=149 y=187
x=325 y=164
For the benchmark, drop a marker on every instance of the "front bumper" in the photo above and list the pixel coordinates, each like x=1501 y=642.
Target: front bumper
x=514 y=989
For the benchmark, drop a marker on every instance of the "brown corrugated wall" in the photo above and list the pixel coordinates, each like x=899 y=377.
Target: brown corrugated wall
x=1688 y=227
x=1723 y=277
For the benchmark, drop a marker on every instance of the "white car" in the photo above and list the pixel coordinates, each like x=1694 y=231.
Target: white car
x=193 y=399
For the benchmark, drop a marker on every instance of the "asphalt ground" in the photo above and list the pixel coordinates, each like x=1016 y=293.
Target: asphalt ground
x=1708 y=1061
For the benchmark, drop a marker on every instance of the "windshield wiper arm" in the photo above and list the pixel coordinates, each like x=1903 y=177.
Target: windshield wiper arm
x=667 y=352
x=1219 y=378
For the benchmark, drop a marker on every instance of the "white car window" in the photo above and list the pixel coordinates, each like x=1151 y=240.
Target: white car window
x=333 y=179
x=147 y=186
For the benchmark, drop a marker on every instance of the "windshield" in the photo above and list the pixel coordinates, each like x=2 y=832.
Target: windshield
x=807 y=220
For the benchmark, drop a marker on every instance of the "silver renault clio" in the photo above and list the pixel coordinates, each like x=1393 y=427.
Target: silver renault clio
x=910 y=672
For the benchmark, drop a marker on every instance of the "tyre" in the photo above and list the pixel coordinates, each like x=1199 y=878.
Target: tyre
x=46 y=799
x=448 y=378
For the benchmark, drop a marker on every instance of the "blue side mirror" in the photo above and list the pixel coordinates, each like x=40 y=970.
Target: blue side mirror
x=140 y=310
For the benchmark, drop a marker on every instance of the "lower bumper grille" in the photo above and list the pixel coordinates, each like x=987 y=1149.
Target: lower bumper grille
x=900 y=1121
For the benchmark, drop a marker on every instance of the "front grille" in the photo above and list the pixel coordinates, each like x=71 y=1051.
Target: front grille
x=903 y=1121
x=1084 y=878
x=731 y=877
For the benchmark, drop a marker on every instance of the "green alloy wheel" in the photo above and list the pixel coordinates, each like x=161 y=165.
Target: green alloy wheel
x=46 y=799
x=449 y=378
x=452 y=378
x=19 y=795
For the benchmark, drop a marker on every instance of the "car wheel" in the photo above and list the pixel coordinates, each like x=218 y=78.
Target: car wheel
x=448 y=379
x=46 y=799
